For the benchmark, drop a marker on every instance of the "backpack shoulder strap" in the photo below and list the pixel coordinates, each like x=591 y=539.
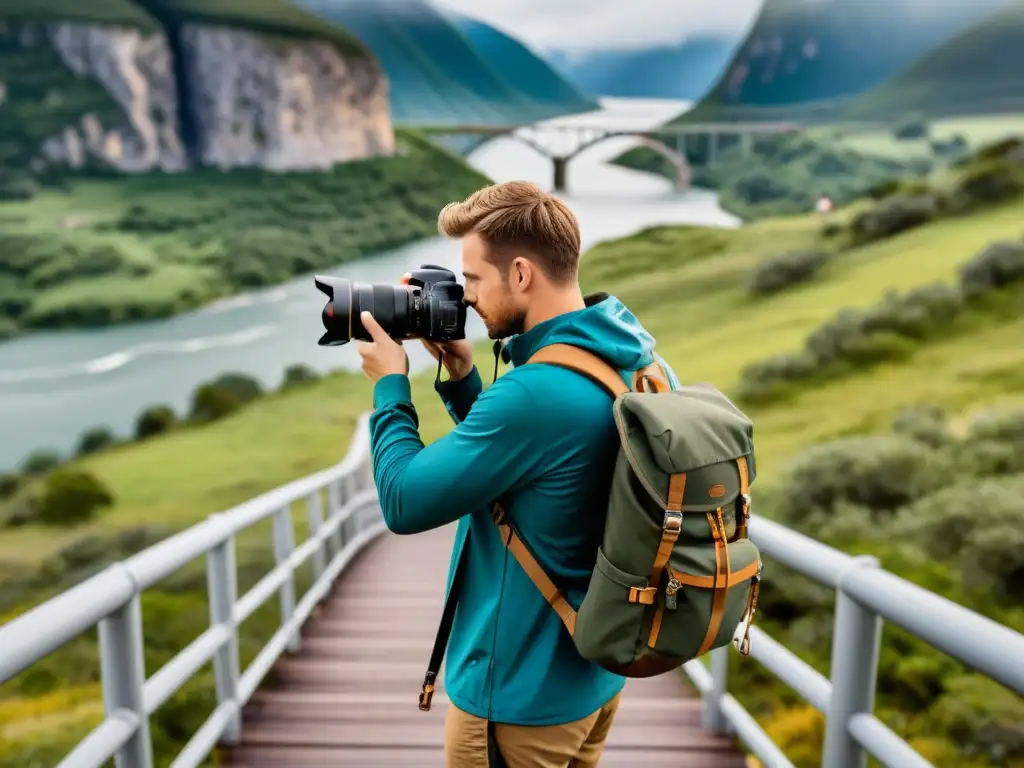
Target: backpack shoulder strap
x=584 y=362
x=593 y=367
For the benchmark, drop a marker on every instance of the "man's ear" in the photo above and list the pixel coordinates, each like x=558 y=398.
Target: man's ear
x=522 y=274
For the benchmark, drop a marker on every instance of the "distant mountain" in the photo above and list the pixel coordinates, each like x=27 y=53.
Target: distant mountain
x=684 y=71
x=980 y=71
x=527 y=72
x=437 y=76
x=804 y=58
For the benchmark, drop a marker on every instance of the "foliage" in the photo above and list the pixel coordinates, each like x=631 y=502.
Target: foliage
x=155 y=420
x=783 y=174
x=891 y=329
x=189 y=238
x=785 y=270
x=71 y=496
x=297 y=375
x=95 y=439
x=40 y=462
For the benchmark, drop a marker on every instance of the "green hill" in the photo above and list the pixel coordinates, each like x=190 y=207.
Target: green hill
x=888 y=455
x=803 y=59
x=979 y=72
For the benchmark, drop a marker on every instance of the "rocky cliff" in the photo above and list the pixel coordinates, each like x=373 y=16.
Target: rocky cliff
x=139 y=100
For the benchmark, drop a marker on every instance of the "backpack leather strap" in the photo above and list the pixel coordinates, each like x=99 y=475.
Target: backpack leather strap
x=584 y=362
x=596 y=369
x=534 y=569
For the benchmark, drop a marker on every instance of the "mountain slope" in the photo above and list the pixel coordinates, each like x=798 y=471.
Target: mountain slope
x=981 y=71
x=683 y=71
x=527 y=72
x=804 y=58
x=436 y=74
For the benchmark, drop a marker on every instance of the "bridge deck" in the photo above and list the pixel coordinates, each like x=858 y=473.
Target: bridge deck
x=349 y=697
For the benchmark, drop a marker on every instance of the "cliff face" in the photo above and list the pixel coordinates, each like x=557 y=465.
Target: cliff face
x=247 y=100
x=135 y=70
x=282 y=104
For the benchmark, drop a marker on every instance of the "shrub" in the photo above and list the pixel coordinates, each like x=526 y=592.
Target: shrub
x=780 y=272
x=880 y=473
x=925 y=424
x=999 y=265
x=246 y=387
x=41 y=462
x=984 y=717
x=211 y=402
x=95 y=439
x=894 y=215
x=977 y=524
x=296 y=375
x=987 y=183
x=71 y=496
x=9 y=485
x=911 y=128
x=155 y=420
x=762 y=380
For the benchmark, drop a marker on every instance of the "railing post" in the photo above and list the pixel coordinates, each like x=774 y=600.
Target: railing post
x=334 y=504
x=123 y=672
x=349 y=488
x=284 y=544
x=315 y=516
x=856 y=643
x=711 y=716
x=222 y=583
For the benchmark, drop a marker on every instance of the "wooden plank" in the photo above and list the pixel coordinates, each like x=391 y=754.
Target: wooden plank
x=349 y=696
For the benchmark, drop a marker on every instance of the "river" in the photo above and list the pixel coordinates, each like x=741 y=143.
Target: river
x=53 y=386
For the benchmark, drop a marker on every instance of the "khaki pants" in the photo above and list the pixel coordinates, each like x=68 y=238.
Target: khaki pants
x=578 y=744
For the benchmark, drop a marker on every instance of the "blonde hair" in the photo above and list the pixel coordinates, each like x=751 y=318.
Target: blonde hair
x=517 y=216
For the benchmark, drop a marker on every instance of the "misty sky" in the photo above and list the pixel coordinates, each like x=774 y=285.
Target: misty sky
x=589 y=24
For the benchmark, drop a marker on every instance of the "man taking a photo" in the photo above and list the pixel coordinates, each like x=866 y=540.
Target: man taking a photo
x=541 y=438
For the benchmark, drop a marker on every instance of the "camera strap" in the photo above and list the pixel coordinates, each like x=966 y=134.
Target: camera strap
x=444 y=630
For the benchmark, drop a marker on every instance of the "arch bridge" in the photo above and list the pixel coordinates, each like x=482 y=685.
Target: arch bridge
x=348 y=655
x=587 y=135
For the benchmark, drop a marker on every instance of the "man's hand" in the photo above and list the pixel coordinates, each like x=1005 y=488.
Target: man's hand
x=382 y=356
x=458 y=355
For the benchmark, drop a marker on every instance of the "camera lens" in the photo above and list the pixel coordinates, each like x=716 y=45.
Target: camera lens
x=394 y=307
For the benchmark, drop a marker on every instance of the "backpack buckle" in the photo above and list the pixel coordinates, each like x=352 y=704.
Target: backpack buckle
x=673 y=522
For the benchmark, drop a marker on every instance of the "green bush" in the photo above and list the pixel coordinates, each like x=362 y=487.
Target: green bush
x=211 y=402
x=71 y=496
x=984 y=717
x=977 y=525
x=94 y=440
x=155 y=420
x=246 y=387
x=999 y=265
x=911 y=129
x=985 y=184
x=855 y=338
x=894 y=215
x=925 y=424
x=878 y=473
x=9 y=484
x=780 y=272
x=297 y=375
x=41 y=462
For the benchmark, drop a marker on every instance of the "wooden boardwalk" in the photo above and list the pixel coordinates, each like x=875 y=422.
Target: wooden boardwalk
x=349 y=697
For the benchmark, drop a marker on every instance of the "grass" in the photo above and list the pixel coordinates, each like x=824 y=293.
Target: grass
x=686 y=284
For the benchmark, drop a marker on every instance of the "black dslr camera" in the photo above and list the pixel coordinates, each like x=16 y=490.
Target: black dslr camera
x=430 y=307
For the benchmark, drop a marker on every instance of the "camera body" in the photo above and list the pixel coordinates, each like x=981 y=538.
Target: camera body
x=429 y=307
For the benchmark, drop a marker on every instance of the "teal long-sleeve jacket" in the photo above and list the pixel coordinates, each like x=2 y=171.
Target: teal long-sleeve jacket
x=544 y=438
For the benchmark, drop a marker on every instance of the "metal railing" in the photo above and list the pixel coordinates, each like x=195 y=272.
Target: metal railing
x=865 y=596
x=111 y=600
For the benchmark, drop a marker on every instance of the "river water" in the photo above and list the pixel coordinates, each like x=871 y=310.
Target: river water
x=53 y=386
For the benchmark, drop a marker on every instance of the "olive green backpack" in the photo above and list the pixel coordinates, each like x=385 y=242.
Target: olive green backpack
x=676 y=575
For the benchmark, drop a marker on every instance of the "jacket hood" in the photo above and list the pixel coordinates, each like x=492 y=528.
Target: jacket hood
x=605 y=327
